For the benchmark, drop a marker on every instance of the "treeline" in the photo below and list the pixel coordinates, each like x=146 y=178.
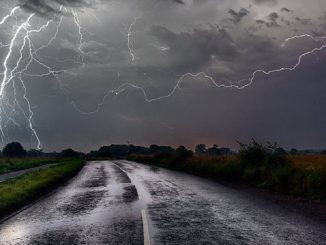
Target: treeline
x=16 y=150
x=123 y=151
x=118 y=151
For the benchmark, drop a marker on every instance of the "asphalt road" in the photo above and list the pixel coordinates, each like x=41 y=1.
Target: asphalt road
x=127 y=203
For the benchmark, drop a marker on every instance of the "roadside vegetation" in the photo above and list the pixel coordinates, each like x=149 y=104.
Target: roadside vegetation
x=260 y=165
x=15 y=164
x=14 y=157
x=27 y=188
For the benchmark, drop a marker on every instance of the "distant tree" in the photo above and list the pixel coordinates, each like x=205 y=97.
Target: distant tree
x=214 y=151
x=182 y=152
x=119 y=151
x=14 y=149
x=225 y=151
x=35 y=153
x=280 y=151
x=92 y=154
x=104 y=151
x=154 y=148
x=69 y=153
x=200 y=149
x=294 y=151
x=137 y=149
x=161 y=149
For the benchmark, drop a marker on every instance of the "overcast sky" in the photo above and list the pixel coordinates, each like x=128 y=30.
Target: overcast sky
x=146 y=46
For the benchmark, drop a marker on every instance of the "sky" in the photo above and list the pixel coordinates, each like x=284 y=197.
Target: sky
x=86 y=73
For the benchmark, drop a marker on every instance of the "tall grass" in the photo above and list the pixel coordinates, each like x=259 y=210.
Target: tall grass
x=256 y=165
x=14 y=164
x=27 y=188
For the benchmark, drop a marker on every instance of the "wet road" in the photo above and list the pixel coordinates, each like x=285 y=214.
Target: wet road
x=122 y=202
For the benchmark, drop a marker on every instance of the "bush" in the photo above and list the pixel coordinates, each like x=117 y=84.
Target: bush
x=14 y=149
x=180 y=154
x=260 y=155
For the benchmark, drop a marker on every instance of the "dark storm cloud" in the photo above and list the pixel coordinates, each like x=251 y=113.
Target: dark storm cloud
x=270 y=2
x=271 y=21
x=237 y=16
x=285 y=10
x=267 y=24
x=178 y=1
x=273 y=16
x=49 y=7
x=194 y=50
x=170 y=38
x=303 y=21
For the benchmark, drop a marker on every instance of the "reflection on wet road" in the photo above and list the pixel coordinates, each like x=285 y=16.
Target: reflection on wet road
x=122 y=202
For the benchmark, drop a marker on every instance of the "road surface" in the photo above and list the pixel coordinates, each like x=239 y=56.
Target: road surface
x=123 y=202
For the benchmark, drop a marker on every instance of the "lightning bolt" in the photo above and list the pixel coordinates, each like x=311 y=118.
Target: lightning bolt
x=4 y=19
x=11 y=74
x=81 y=38
x=130 y=42
x=316 y=39
x=15 y=75
x=241 y=84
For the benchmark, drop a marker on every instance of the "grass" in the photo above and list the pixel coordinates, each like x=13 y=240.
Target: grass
x=256 y=165
x=308 y=161
x=27 y=188
x=15 y=164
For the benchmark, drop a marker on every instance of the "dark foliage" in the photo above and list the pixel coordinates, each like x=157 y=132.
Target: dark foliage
x=14 y=149
x=69 y=153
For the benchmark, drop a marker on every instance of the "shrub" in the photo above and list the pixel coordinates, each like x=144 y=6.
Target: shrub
x=14 y=149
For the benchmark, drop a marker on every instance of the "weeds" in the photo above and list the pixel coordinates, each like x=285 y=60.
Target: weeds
x=260 y=165
x=27 y=188
x=14 y=164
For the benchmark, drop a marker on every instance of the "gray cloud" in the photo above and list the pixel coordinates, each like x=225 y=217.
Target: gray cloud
x=285 y=10
x=237 y=16
x=273 y=16
x=270 y=2
x=170 y=38
x=49 y=7
x=179 y=1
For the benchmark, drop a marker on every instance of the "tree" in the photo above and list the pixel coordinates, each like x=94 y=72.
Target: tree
x=161 y=149
x=200 y=149
x=280 y=151
x=104 y=151
x=214 y=151
x=69 y=153
x=182 y=152
x=35 y=153
x=294 y=151
x=225 y=151
x=14 y=149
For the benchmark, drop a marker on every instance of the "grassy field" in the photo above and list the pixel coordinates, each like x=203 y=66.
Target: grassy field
x=14 y=164
x=255 y=165
x=27 y=188
x=317 y=162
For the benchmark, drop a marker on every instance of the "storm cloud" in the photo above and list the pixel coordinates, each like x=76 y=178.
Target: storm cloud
x=50 y=7
x=151 y=44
